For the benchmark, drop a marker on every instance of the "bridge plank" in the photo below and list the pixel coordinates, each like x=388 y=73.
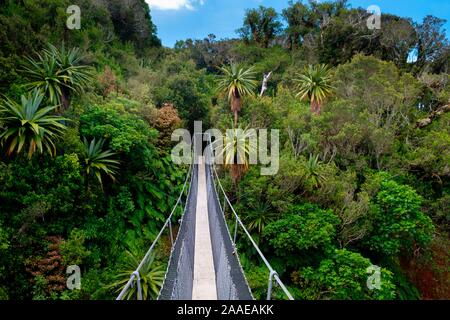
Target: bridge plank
x=204 y=286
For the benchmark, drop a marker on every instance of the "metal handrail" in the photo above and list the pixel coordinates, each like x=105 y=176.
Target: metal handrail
x=168 y=223
x=273 y=274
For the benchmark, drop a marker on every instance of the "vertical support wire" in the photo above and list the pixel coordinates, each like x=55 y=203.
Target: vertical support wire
x=138 y=283
x=171 y=233
x=235 y=231
x=224 y=206
x=270 y=285
x=127 y=286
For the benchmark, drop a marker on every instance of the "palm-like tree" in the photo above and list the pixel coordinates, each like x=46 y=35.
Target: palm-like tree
x=259 y=217
x=313 y=175
x=237 y=83
x=151 y=274
x=29 y=125
x=98 y=161
x=237 y=148
x=58 y=73
x=314 y=84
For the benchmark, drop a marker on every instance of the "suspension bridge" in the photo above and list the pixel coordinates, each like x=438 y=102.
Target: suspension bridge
x=204 y=262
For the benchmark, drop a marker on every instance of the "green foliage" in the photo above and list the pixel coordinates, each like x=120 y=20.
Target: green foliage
x=374 y=106
x=4 y=242
x=259 y=217
x=29 y=125
x=332 y=161
x=237 y=150
x=405 y=290
x=124 y=130
x=315 y=85
x=432 y=49
x=305 y=227
x=177 y=82
x=299 y=22
x=261 y=25
x=313 y=175
x=39 y=288
x=132 y=22
x=399 y=226
x=431 y=151
x=257 y=278
x=73 y=250
x=259 y=112
x=377 y=84
x=98 y=161
x=271 y=193
x=3 y=294
x=151 y=274
x=343 y=276
x=58 y=73
x=236 y=83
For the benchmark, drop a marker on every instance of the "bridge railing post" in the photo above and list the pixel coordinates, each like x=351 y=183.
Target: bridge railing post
x=171 y=233
x=224 y=206
x=138 y=285
x=127 y=286
x=270 y=286
x=235 y=230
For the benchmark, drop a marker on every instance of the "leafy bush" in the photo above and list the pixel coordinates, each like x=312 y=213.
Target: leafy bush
x=306 y=227
x=343 y=276
x=73 y=251
x=399 y=226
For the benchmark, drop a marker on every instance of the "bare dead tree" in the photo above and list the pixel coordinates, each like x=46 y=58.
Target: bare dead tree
x=422 y=123
x=264 y=83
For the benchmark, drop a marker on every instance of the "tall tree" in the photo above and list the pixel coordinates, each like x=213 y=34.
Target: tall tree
x=315 y=85
x=300 y=22
x=132 y=22
x=237 y=150
x=432 y=44
x=237 y=83
x=261 y=25
x=397 y=38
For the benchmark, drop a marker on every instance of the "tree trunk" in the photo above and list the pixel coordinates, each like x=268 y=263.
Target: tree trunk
x=422 y=123
x=318 y=108
x=236 y=106
x=315 y=107
x=65 y=100
x=237 y=171
x=264 y=83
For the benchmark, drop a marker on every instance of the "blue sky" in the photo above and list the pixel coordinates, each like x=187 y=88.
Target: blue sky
x=182 y=19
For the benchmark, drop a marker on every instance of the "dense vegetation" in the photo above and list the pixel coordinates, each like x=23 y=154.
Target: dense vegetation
x=86 y=176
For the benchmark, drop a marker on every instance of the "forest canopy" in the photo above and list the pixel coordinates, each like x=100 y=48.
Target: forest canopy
x=86 y=176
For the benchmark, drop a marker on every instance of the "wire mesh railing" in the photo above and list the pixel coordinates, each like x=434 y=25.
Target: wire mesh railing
x=135 y=277
x=179 y=278
x=273 y=275
x=231 y=283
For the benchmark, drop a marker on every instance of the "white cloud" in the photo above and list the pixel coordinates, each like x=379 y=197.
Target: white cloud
x=174 y=4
